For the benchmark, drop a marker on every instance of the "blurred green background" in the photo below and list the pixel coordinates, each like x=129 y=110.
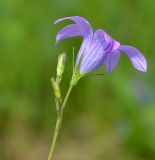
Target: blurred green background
x=109 y=117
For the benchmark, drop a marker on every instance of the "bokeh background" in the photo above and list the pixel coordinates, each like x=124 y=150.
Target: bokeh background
x=110 y=117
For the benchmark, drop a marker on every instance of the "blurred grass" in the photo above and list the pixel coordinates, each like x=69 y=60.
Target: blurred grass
x=109 y=117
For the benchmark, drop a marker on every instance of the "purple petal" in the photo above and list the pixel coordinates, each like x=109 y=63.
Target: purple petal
x=104 y=38
x=92 y=58
x=94 y=53
x=137 y=59
x=72 y=30
x=82 y=27
x=109 y=44
x=85 y=44
x=112 y=60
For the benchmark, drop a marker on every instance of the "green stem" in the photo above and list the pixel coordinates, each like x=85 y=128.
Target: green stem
x=58 y=124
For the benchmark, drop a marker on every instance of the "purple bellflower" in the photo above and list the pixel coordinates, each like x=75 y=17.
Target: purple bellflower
x=98 y=47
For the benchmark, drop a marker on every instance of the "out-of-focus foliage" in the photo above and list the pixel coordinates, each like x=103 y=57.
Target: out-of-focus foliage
x=108 y=117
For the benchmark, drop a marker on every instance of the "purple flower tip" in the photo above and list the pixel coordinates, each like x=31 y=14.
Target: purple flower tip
x=98 y=47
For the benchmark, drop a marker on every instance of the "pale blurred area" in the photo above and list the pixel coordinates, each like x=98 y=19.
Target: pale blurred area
x=110 y=117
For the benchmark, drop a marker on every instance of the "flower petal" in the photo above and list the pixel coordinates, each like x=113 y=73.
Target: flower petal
x=94 y=53
x=104 y=38
x=92 y=58
x=137 y=59
x=72 y=30
x=82 y=28
x=109 y=44
x=112 y=60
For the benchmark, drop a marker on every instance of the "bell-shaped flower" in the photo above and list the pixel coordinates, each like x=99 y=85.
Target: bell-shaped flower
x=98 y=47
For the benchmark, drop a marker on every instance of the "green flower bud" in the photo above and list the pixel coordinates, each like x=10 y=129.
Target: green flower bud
x=61 y=65
x=56 y=88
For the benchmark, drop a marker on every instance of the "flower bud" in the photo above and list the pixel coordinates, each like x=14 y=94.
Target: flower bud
x=61 y=65
x=56 y=88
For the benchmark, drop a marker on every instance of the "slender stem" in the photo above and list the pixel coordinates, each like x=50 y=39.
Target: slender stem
x=58 y=124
